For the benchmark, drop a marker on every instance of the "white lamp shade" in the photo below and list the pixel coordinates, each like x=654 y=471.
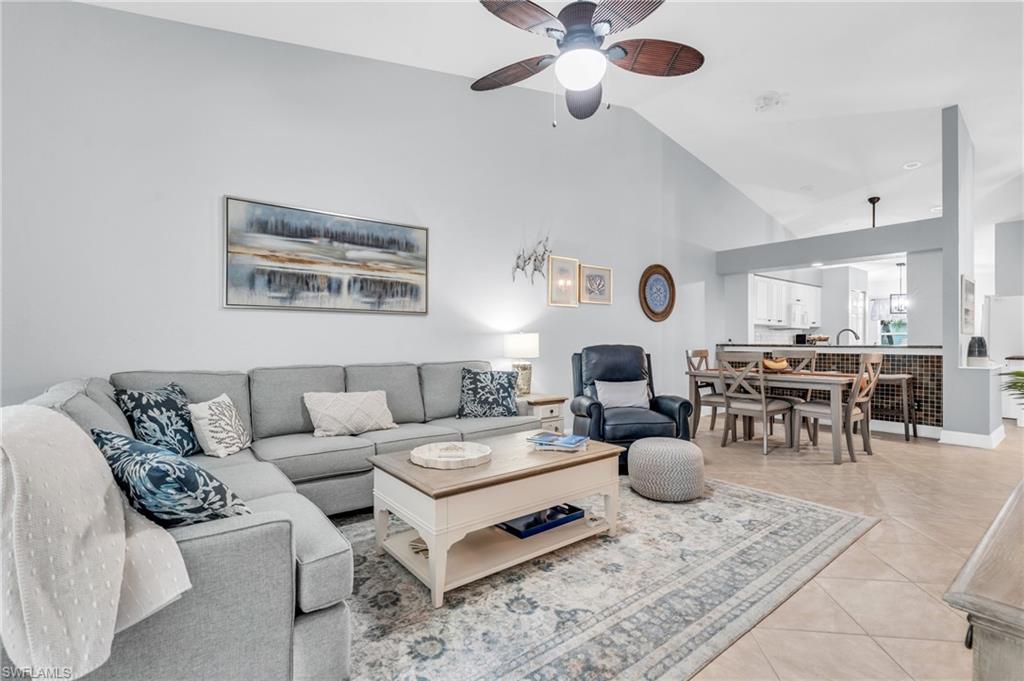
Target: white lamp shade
x=522 y=345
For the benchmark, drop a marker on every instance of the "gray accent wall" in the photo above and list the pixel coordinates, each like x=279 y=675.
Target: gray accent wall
x=970 y=403
x=122 y=134
x=924 y=286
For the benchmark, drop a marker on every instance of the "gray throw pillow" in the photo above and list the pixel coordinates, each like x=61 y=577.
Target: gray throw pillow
x=623 y=394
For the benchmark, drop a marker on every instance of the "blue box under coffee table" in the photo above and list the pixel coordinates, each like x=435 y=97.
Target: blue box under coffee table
x=541 y=521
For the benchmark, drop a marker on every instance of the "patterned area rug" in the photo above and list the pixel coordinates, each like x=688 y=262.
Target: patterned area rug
x=677 y=586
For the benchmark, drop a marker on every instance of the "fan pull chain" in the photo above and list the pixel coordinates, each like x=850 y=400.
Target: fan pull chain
x=554 y=100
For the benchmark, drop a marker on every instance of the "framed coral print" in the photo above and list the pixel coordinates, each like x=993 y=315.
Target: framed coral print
x=595 y=285
x=563 y=281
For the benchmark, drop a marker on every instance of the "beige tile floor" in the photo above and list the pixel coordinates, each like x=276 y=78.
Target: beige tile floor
x=876 y=612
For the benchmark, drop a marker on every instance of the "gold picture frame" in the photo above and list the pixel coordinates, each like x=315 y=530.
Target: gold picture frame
x=563 y=281
x=595 y=285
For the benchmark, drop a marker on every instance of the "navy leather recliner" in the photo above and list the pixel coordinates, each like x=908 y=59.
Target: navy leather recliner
x=667 y=415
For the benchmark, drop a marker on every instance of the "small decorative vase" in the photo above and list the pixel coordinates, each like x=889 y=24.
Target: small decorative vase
x=977 y=352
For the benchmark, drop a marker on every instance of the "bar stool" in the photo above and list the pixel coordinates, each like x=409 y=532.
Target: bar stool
x=906 y=410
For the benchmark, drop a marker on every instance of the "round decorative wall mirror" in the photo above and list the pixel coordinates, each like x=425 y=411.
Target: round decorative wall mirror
x=657 y=293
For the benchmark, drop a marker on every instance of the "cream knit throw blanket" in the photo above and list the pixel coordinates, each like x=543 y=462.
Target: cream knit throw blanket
x=78 y=563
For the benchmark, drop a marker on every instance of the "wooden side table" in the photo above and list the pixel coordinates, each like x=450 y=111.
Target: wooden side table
x=549 y=409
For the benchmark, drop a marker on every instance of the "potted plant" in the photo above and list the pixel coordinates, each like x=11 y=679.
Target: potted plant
x=1015 y=384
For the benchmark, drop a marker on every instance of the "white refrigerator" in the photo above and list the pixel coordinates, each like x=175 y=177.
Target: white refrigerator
x=1003 y=326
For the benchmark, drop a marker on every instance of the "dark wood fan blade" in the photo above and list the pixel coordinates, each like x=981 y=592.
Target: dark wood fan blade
x=524 y=14
x=513 y=73
x=655 y=57
x=583 y=103
x=621 y=14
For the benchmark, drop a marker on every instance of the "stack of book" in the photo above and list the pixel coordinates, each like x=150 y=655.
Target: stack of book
x=554 y=442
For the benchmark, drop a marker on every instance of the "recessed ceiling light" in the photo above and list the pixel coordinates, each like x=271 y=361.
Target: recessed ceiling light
x=936 y=209
x=912 y=165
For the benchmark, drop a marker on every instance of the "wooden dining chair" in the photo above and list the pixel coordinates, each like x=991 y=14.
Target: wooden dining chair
x=798 y=360
x=697 y=360
x=746 y=396
x=856 y=408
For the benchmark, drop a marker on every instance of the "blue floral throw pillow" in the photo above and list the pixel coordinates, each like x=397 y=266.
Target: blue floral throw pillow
x=167 y=489
x=488 y=393
x=161 y=417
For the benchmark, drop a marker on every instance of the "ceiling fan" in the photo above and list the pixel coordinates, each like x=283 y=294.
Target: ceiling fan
x=579 y=31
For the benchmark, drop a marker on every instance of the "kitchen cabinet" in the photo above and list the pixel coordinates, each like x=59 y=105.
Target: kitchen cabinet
x=781 y=298
x=762 y=301
x=813 y=307
x=786 y=304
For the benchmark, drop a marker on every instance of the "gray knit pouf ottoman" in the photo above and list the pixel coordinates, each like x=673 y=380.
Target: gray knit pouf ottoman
x=666 y=469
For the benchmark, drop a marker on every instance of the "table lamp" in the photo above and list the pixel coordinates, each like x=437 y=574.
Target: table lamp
x=520 y=347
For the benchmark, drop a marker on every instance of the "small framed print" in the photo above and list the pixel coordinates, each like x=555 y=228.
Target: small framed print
x=595 y=285
x=967 y=306
x=563 y=281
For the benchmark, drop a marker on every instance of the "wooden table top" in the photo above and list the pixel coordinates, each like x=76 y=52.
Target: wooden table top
x=823 y=377
x=539 y=399
x=512 y=458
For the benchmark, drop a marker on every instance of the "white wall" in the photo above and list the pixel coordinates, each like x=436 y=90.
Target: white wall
x=122 y=134
x=1009 y=259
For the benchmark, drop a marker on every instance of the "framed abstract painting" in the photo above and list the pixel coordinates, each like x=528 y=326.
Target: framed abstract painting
x=281 y=257
x=595 y=285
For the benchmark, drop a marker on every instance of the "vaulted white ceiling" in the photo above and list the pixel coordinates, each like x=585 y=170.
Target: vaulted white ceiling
x=861 y=86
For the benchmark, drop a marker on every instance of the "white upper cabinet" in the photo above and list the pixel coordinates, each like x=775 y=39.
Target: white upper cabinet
x=762 y=301
x=786 y=304
x=813 y=307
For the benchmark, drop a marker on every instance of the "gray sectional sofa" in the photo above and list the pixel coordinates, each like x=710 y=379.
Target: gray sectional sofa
x=270 y=589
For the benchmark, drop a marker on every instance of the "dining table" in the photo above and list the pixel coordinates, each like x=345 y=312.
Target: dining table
x=832 y=382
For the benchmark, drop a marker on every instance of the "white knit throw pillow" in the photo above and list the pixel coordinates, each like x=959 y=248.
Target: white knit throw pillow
x=348 y=413
x=218 y=427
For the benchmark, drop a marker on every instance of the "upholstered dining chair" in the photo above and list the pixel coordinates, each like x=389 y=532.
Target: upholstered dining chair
x=746 y=396
x=856 y=409
x=697 y=360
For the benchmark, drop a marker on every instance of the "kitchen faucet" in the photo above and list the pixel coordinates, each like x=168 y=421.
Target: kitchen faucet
x=844 y=331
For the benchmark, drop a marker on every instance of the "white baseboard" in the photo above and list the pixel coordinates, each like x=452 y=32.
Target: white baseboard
x=931 y=432
x=977 y=440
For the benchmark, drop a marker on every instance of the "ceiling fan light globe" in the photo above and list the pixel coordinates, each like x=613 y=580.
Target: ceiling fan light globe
x=580 y=69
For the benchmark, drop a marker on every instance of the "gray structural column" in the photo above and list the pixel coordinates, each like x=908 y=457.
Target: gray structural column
x=970 y=396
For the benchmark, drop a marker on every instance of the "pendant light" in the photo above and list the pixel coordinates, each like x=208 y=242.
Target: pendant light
x=873 y=200
x=898 y=302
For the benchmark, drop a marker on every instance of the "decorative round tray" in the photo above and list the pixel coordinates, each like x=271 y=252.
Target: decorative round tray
x=449 y=455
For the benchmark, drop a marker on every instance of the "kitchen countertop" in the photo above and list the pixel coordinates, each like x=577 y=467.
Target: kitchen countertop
x=830 y=347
